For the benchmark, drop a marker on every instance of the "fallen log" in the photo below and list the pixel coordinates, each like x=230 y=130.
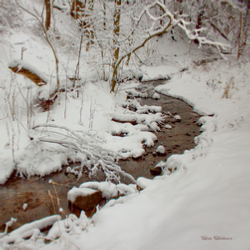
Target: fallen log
x=48 y=93
x=24 y=68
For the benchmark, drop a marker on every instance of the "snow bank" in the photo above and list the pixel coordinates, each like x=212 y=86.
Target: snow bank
x=142 y=182
x=126 y=189
x=205 y=203
x=6 y=168
x=158 y=72
x=45 y=162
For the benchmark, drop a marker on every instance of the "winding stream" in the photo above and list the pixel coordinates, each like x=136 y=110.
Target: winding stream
x=36 y=192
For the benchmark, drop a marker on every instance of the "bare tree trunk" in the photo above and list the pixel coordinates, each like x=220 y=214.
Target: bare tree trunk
x=114 y=76
x=78 y=63
x=243 y=31
x=88 y=26
x=239 y=39
x=199 y=23
x=82 y=10
x=48 y=14
x=104 y=16
x=117 y=18
x=77 y=8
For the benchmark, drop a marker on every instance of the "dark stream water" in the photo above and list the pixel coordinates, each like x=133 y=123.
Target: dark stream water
x=35 y=191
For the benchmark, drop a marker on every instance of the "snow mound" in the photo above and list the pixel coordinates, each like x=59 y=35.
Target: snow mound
x=160 y=150
x=74 y=192
x=168 y=126
x=161 y=164
x=156 y=96
x=142 y=182
x=108 y=189
x=177 y=117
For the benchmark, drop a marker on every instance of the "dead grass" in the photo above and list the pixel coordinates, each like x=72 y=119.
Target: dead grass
x=229 y=86
x=205 y=68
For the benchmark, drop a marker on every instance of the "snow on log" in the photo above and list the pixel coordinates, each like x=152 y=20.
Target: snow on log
x=39 y=224
x=24 y=68
x=29 y=229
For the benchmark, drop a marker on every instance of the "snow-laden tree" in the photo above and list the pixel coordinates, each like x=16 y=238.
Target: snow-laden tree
x=9 y=16
x=82 y=10
x=221 y=20
x=121 y=28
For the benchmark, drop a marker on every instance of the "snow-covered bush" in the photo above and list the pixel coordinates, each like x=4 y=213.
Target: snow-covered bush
x=83 y=147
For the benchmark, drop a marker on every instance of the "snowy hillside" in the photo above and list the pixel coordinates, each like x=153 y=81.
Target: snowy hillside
x=204 y=204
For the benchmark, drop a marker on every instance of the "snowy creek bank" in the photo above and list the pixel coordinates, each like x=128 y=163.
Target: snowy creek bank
x=176 y=135
x=36 y=198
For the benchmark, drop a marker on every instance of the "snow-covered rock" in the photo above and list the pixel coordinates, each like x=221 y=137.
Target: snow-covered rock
x=156 y=96
x=168 y=126
x=177 y=117
x=84 y=198
x=25 y=205
x=158 y=168
x=161 y=150
x=108 y=189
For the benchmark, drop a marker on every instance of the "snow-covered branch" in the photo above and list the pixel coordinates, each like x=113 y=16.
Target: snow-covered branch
x=156 y=29
x=29 y=230
x=90 y=149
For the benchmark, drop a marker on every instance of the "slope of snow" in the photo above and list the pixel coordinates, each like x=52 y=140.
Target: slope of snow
x=204 y=204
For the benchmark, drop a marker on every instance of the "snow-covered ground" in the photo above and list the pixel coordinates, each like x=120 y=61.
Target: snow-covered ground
x=205 y=204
